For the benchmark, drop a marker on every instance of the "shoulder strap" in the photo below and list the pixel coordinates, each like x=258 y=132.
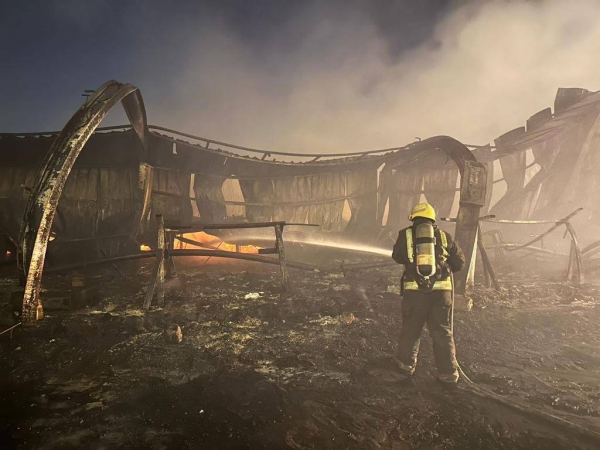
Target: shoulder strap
x=444 y=239
x=443 y=243
x=409 y=245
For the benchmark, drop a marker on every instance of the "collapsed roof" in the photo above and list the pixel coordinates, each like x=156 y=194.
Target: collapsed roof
x=544 y=167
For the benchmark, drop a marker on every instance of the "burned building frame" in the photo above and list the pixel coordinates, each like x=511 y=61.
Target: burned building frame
x=105 y=198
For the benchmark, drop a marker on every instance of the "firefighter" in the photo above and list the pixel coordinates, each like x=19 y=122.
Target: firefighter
x=429 y=255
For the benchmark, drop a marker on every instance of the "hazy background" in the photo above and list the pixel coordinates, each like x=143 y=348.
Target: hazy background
x=301 y=75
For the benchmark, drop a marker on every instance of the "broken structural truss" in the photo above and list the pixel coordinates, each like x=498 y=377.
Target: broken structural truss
x=43 y=202
x=575 y=269
x=183 y=181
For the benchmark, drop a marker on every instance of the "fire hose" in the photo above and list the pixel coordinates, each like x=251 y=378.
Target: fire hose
x=486 y=393
x=10 y=329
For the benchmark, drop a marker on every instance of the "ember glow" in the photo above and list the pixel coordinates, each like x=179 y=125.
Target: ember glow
x=208 y=241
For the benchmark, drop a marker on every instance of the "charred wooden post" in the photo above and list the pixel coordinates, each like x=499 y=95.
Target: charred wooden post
x=281 y=250
x=472 y=199
x=151 y=285
x=144 y=194
x=171 y=271
x=160 y=282
x=571 y=268
x=487 y=264
x=157 y=281
x=486 y=275
x=575 y=270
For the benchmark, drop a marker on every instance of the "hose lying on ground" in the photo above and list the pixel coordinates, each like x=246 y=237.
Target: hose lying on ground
x=486 y=393
x=10 y=328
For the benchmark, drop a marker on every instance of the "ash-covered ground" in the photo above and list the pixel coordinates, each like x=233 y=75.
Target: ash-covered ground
x=230 y=363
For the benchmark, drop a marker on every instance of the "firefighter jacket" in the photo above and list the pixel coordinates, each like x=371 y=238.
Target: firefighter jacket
x=449 y=258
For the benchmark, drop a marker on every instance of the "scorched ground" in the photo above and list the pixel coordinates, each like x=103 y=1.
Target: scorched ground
x=230 y=363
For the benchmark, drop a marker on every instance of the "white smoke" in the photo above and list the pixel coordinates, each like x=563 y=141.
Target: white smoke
x=327 y=82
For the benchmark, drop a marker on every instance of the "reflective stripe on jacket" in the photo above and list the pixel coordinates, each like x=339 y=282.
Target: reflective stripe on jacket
x=441 y=285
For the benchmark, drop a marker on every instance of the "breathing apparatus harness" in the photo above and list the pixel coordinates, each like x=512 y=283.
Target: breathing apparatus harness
x=430 y=272
x=427 y=257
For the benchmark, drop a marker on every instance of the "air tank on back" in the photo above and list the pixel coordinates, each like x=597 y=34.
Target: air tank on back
x=425 y=249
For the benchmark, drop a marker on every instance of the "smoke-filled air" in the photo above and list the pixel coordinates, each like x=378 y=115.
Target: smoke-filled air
x=333 y=80
x=300 y=224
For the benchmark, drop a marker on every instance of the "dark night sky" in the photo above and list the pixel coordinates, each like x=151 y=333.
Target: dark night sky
x=268 y=73
x=53 y=50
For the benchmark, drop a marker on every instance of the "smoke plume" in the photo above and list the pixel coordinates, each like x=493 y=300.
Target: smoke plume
x=336 y=79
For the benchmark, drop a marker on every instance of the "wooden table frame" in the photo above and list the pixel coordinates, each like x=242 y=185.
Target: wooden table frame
x=164 y=266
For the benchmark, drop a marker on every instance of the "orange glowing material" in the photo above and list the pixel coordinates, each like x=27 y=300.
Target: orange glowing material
x=209 y=241
x=145 y=248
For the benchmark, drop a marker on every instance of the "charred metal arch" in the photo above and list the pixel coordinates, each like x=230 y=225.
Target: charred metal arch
x=472 y=197
x=474 y=183
x=41 y=208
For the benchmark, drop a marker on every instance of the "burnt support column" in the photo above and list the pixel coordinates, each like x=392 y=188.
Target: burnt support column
x=281 y=251
x=575 y=269
x=171 y=271
x=472 y=199
x=143 y=199
x=157 y=282
x=160 y=282
x=490 y=273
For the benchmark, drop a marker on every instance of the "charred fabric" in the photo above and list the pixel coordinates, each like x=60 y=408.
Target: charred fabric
x=89 y=194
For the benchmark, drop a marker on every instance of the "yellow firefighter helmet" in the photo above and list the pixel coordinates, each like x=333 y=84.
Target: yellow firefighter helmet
x=422 y=210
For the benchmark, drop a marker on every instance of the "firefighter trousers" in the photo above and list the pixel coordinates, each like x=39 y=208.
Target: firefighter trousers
x=433 y=309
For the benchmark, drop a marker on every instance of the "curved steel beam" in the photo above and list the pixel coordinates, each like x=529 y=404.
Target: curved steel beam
x=472 y=197
x=41 y=208
x=456 y=150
